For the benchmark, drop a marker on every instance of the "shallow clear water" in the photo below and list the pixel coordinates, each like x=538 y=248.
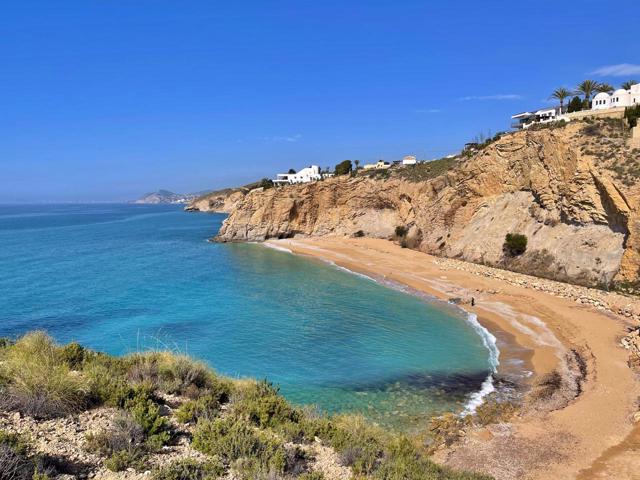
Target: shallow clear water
x=125 y=277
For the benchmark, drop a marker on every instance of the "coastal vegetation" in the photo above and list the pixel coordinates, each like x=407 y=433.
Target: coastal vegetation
x=515 y=244
x=160 y=399
x=343 y=167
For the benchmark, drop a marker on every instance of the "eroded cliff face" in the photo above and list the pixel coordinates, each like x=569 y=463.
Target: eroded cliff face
x=559 y=187
x=222 y=201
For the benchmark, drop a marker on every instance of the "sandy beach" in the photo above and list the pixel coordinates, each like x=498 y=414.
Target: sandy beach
x=593 y=436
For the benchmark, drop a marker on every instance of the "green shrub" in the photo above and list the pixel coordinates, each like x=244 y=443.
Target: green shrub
x=190 y=470
x=147 y=414
x=72 y=355
x=233 y=439
x=123 y=459
x=311 y=476
x=403 y=461
x=105 y=384
x=359 y=444
x=515 y=244
x=359 y=234
x=226 y=437
x=262 y=405
x=38 y=382
x=181 y=375
x=575 y=105
x=124 y=434
x=426 y=170
x=206 y=408
x=632 y=114
x=343 y=167
x=265 y=183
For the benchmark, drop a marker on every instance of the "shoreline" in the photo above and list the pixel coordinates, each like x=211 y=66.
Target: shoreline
x=501 y=345
x=510 y=361
x=559 y=443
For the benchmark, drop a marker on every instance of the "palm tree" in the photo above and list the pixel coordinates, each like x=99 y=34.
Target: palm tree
x=357 y=162
x=587 y=88
x=560 y=94
x=604 y=88
x=628 y=84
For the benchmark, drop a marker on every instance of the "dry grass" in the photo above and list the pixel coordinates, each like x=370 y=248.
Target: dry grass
x=39 y=381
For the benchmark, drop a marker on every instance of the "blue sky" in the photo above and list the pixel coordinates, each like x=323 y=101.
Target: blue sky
x=105 y=100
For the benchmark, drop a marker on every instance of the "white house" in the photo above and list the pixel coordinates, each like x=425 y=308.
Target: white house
x=306 y=175
x=544 y=115
x=379 y=165
x=409 y=160
x=619 y=98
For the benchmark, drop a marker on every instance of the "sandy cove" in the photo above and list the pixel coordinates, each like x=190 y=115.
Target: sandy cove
x=591 y=437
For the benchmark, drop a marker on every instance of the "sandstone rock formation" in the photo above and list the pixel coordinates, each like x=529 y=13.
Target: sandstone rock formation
x=571 y=190
x=221 y=201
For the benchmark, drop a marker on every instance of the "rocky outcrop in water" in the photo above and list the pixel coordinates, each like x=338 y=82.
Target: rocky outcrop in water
x=571 y=190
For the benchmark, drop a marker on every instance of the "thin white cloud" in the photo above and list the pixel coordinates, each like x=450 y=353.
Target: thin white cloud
x=499 y=96
x=428 y=110
x=290 y=138
x=619 y=70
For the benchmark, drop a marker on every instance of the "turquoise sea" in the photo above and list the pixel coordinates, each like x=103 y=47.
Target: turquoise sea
x=121 y=278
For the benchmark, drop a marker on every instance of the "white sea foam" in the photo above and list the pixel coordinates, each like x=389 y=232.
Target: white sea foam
x=489 y=341
x=352 y=272
x=276 y=247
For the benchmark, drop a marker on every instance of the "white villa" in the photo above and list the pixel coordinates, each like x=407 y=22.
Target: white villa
x=619 y=98
x=306 y=175
x=409 y=160
x=526 y=119
x=379 y=165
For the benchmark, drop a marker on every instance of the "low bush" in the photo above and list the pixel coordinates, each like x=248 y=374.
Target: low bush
x=515 y=244
x=359 y=234
x=205 y=408
x=262 y=405
x=38 y=380
x=228 y=438
x=73 y=355
x=125 y=434
x=147 y=414
x=359 y=444
x=124 y=459
x=190 y=470
x=343 y=167
x=235 y=440
x=632 y=114
x=311 y=476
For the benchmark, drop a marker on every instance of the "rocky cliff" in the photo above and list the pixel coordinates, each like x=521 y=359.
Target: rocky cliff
x=572 y=190
x=220 y=201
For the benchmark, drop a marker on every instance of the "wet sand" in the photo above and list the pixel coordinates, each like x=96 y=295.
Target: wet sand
x=591 y=437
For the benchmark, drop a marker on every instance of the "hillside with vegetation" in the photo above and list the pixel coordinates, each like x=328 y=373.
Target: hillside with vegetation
x=570 y=188
x=69 y=412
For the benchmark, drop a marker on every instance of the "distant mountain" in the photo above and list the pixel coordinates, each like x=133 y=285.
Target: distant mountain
x=165 y=196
